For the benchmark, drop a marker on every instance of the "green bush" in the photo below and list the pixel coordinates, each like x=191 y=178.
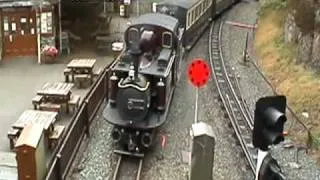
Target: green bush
x=316 y=141
x=272 y=4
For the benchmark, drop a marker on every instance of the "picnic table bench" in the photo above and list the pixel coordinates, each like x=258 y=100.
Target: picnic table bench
x=55 y=94
x=55 y=135
x=80 y=67
x=31 y=116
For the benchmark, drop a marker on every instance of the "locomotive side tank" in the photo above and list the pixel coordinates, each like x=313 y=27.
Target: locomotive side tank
x=142 y=81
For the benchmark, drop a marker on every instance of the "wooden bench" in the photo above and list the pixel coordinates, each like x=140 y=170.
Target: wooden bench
x=74 y=102
x=13 y=136
x=55 y=135
x=66 y=73
x=50 y=107
x=81 y=78
x=36 y=101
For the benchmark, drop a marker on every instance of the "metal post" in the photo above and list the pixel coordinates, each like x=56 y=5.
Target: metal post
x=245 y=51
x=59 y=176
x=138 y=8
x=38 y=19
x=60 y=28
x=261 y=156
x=196 y=107
x=202 y=153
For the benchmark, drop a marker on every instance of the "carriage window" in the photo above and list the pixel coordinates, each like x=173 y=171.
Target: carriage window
x=188 y=19
x=133 y=35
x=202 y=6
x=197 y=12
x=166 y=39
x=192 y=16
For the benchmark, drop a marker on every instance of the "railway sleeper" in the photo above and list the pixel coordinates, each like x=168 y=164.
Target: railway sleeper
x=225 y=115
x=229 y=124
x=235 y=109
x=250 y=145
x=221 y=81
x=254 y=156
x=242 y=127
x=215 y=52
x=217 y=68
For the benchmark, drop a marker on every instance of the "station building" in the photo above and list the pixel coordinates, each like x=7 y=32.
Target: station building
x=27 y=25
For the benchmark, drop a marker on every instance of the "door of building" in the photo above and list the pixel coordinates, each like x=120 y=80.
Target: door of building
x=19 y=32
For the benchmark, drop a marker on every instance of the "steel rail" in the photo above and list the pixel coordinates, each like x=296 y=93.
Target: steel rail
x=241 y=123
x=250 y=124
x=116 y=174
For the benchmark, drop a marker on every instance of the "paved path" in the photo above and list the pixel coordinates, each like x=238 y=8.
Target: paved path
x=20 y=78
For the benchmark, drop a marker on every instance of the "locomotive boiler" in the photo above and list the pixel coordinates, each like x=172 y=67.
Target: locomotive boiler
x=142 y=81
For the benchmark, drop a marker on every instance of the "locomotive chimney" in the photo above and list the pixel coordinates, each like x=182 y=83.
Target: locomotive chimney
x=135 y=53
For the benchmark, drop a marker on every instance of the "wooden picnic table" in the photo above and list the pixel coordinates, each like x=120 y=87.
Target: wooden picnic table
x=81 y=66
x=57 y=92
x=34 y=116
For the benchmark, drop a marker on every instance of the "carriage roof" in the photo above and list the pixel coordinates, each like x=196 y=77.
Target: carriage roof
x=157 y=19
x=187 y=4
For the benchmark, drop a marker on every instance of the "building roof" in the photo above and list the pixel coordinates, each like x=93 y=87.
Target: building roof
x=181 y=3
x=30 y=135
x=21 y=3
x=157 y=19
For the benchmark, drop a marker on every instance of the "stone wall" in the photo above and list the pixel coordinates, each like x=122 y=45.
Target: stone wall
x=302 y=27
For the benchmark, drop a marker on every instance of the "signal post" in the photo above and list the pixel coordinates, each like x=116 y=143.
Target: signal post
x=203 y=140
x=269 y=119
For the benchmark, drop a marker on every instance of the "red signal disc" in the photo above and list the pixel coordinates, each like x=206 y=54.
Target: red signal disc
x=198 y=72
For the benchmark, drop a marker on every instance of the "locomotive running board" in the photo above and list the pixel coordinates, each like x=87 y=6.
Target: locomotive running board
x=126 y=153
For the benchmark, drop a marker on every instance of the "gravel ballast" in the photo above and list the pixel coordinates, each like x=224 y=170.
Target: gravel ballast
x=253 y=87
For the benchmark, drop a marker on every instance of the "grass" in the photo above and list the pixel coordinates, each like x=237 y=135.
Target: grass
x=300 y=85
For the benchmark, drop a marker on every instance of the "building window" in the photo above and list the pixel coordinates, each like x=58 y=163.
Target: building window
x=46 y=22
x=24 y=25
x=166 y=39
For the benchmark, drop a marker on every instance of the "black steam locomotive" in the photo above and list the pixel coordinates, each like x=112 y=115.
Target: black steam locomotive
x=143 y=79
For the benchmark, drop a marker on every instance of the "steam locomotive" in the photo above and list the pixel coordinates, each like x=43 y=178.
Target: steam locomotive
x=143 y=79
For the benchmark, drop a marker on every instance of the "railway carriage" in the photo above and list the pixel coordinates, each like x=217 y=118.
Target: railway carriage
x=194 y=15
x=143 y=79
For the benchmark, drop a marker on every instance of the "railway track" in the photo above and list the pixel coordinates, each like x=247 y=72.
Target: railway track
x=124 y=169
x=231 y=96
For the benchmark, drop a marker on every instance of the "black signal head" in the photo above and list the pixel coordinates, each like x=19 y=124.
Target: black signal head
x=269 y=120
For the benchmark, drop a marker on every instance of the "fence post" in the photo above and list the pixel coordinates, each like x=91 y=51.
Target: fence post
x=86 y=102
x=202 y=153
x=59 y=176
